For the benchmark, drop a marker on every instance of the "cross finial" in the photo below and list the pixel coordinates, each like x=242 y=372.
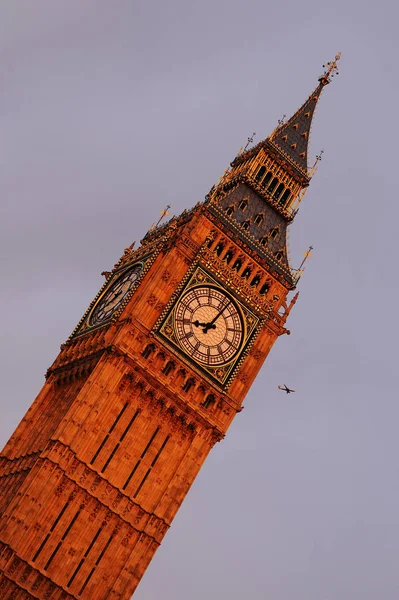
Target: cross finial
x=282 y=120
x=330 y=70
x=250 y=140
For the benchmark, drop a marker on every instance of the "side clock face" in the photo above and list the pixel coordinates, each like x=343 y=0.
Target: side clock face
x=209 y=325
x=115 y=295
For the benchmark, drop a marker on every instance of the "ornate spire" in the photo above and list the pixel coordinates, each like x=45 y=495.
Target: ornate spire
x=292 y=137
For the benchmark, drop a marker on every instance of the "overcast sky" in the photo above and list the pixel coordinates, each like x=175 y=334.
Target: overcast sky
x=111 y=110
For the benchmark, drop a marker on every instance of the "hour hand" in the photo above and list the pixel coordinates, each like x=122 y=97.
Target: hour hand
x=198 y=324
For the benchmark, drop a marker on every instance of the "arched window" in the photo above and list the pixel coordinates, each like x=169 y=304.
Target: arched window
x=255 y=281
x=148 y=350
x=260 y=173
x=278 y=191
x=168 y=368
x=267 y=178
x=246 y=224
x=264 y=289
x=259 y=219
x=246 y=273
x=279 y=255
x=188 y=385
x=209 y=400
x=228 y=256
x=229 y=210
x=263 y=241
x=243 y=204
x=219 y=248
x=237 y=265
x=273 y=185
x=284 y=197
x=274 y=233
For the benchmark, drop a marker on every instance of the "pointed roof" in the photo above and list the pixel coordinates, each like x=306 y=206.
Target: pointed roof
x=292 y=138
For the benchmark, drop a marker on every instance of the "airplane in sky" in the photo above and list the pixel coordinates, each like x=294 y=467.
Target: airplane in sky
x=285 y=389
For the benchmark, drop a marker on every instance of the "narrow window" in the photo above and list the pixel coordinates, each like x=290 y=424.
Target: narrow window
x=188 y=385
x=243 y=204
x=237 y=265
x=90 y=575
x=219 y=248
x=274 y=233
x=264 y=289
x=111 y=456
x=284 y=197
x=54 y=525
x=263 y=241
x=114 y=424
x=58 y=546
x=76 y=571
x=279 y=255
x=267 y=178
x=255 y=281
x=259 y=219
x=246 y=273
x=128 y=480
x=246 y=224
x=229 y=210
x=142 y=482
x=168 y=368
x=229 y=255
x=209 y=401
x=260 y=173
x=148 y=350
x=278 y=191
x=273 y=185
x=160 y=450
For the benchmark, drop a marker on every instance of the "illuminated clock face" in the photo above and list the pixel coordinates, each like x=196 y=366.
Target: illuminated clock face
x=208 y=325
x=115 y=295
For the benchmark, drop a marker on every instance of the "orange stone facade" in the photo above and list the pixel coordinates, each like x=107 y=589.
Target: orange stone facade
x=95 y=472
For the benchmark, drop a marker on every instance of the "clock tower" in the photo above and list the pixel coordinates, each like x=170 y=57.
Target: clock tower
x=150 y=379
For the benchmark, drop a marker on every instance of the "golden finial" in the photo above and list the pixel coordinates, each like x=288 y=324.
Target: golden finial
x=331 y=69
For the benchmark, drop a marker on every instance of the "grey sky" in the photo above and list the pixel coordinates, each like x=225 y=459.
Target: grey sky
x=111 y=110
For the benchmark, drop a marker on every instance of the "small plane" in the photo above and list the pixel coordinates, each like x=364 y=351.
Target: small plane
x=285 y=389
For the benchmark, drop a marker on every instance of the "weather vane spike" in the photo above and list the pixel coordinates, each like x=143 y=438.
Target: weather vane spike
x=164 y=213
x=318 y=158
x=330 y=70
x=300 y=269
x=250 y=140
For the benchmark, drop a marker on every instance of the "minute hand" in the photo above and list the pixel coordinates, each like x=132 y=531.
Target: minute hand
x=211 y=324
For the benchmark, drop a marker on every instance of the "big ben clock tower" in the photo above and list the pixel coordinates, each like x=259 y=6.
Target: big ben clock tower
x=150 y=379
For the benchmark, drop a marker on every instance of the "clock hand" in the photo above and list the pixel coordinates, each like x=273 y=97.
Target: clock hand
x=198 y=324
x=212 y=325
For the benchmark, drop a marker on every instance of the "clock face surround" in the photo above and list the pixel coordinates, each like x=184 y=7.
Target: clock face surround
x=209 y=325
x=115 y=295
